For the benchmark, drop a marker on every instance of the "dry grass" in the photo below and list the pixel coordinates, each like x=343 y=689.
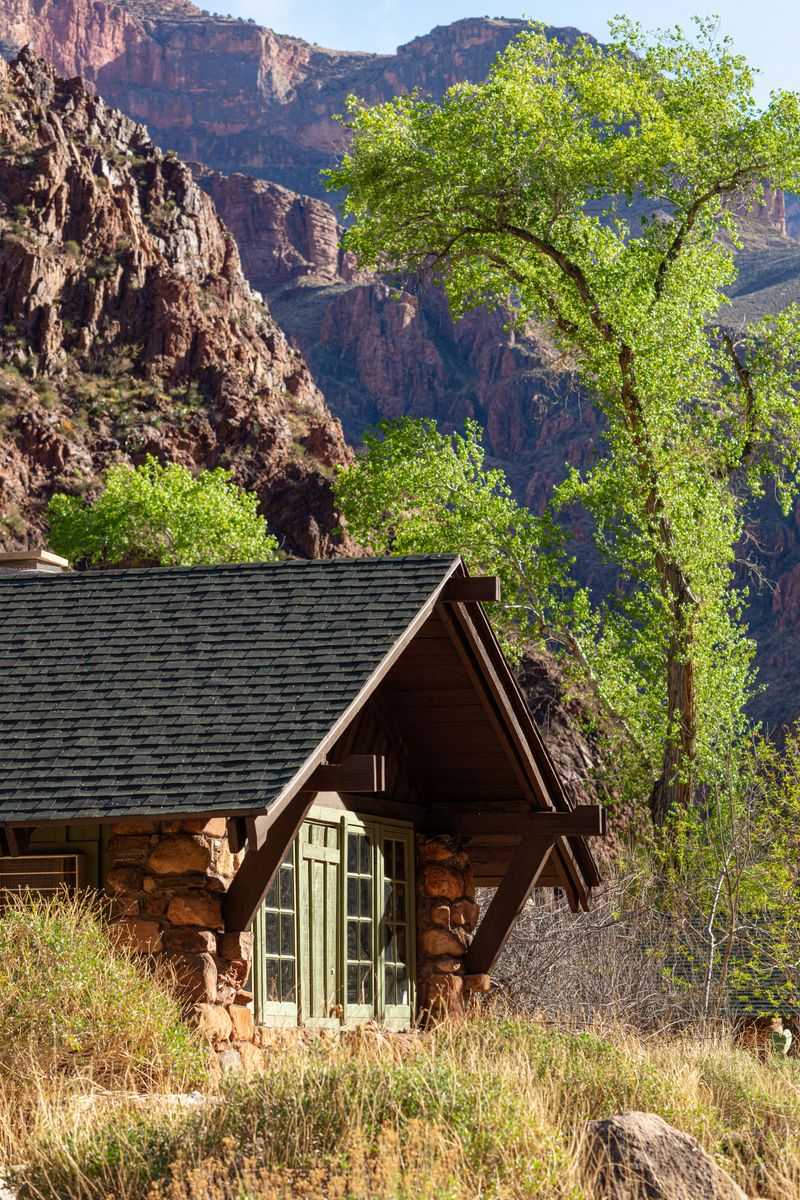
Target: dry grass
x=78 y=1014
x=493 y=1109
x=490 y=1109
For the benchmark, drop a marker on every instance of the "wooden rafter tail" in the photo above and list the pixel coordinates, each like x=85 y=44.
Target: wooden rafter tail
x=506 y=904
x=264 y=855
x=473 y=589
x=15 y=839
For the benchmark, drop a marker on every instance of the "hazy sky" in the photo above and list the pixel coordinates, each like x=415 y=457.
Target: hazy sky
x=768 y=32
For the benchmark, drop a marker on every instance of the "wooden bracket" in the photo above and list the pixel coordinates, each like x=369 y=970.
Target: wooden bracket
x=472 y=589
x=506 y=905
x=357 y=773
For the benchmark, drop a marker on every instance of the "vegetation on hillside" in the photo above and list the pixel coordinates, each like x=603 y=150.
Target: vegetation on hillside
x=585 y=187
x=155 y=515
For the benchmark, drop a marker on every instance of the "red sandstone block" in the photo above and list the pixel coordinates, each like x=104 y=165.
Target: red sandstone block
x=195 y=908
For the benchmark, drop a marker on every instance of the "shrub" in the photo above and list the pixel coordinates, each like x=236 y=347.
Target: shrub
x=73 y=1002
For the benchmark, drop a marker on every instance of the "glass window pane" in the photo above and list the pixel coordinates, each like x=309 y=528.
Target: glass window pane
x=399 y=902
x=388 y=858
x=352 y=985
x=271 y=931
x=399 y=861
x=400 y=944
x=287 y=935
x=402 y=986
x=390 y=985
x=273 y=982
x=365 y=941
x=389 y=943
x=271 y=897
x=352 y=853
x=287 y=980
x=286 y=876
x=365 y=985
x=352 y=897
x=366 y=858
x=352 y=940
x=366 y=897
x=388 y=896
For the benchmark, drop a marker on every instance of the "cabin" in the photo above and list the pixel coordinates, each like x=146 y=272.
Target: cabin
x=290 y=778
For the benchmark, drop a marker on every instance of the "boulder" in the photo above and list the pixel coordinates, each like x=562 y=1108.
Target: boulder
x=638 y=1156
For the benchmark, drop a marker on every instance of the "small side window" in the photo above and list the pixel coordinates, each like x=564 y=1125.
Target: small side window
x=43 y=874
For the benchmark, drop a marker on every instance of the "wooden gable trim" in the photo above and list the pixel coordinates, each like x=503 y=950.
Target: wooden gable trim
x=273 y=831
x=473 y=635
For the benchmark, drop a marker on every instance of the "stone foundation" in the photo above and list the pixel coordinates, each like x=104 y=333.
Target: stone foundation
x=167 y=880
x=446 y=917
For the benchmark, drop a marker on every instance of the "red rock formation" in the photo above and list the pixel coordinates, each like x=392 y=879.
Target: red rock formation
x=127 y=327
x=282 y=236
x=232 y=94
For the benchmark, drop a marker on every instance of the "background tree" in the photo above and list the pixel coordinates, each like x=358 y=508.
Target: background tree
x=586 y=187
x=155 y=515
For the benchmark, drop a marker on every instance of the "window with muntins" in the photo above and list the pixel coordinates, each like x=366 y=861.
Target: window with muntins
x=334 y=937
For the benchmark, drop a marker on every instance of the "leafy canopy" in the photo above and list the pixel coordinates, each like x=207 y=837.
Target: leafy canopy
x=155 y=515
x=593 y=188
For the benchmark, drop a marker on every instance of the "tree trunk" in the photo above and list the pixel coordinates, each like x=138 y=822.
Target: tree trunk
x=673 y=788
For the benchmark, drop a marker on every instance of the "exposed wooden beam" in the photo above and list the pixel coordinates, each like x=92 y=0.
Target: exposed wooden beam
x=358 y=773
x=474 y=589
x=506 y=904
x=271 y=839
x=587 y=820
x=15 y=839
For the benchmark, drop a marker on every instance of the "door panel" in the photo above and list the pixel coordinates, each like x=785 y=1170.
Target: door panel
x=319 y=911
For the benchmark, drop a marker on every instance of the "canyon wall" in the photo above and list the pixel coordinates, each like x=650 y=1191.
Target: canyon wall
x=127 y=327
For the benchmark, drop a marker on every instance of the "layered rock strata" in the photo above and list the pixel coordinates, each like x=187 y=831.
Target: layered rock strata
x=127 y=327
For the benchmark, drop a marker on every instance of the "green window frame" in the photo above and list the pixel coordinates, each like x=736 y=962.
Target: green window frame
x=353 y=914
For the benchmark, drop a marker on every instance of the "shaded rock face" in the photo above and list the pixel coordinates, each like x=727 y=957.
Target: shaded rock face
x=639 y=1156
x=282 y=236
x=127 y=327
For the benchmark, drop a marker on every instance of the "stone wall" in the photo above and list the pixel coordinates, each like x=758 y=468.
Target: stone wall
x=167 y=881
x=446 y=917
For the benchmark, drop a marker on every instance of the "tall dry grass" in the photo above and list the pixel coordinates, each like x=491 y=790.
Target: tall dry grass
x=492 y=1109
x=79 y=1015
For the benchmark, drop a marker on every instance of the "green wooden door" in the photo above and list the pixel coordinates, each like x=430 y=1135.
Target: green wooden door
x=319 y=861
x=334 y=938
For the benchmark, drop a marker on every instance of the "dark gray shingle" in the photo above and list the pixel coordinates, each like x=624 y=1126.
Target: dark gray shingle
x=186 y=689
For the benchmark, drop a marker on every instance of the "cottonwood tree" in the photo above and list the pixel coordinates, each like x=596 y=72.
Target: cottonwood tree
x=591 y=188
x=154 y=515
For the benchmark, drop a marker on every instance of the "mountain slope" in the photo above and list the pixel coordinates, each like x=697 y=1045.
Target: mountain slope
x=127 y=327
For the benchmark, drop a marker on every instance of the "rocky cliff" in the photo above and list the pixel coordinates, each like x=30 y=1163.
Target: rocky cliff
x=242 y=99
x=127 y=327
x=232 y=94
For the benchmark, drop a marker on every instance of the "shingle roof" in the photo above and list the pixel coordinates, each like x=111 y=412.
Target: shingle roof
x=186 y=689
